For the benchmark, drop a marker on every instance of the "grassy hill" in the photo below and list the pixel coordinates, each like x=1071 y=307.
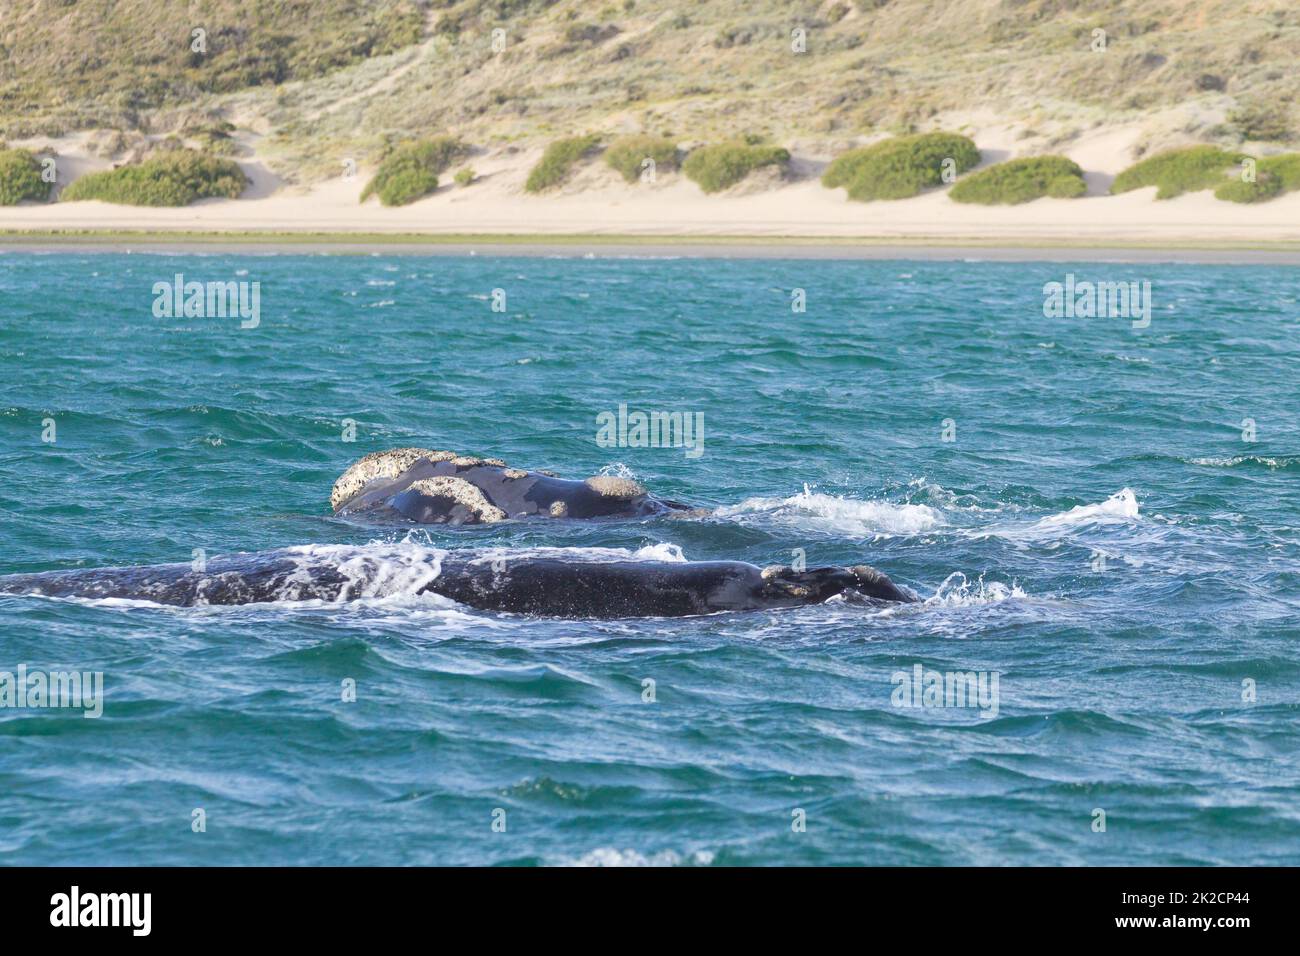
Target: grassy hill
x=316 y=80
x=115 y=63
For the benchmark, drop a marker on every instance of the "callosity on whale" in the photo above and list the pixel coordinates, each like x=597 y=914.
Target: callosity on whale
x=441 y=487
x=541 y=586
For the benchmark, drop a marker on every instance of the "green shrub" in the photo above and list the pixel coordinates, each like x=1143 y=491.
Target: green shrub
x=175 y=178
x=1264 y=188
x=1178 y=171
x=1022 y=180
x=405 y=186
x=1285 y=167
x=465 y=176
x=721 y=165
x=20 y=177
x=899 y=168
x=558 y=161
x=627 y=153
x=411 y=171
x=1274 y=176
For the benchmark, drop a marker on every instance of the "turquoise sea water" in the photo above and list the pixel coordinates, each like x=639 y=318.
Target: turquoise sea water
x=1099 y=537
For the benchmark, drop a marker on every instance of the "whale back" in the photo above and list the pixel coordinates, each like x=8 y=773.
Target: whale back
x=531 y=585
x=557 y=588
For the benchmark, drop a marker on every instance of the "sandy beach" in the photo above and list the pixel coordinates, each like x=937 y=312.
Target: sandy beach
x=598 y=206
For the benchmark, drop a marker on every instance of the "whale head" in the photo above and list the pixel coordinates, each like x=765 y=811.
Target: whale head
x=785 y=585
x=876 y=584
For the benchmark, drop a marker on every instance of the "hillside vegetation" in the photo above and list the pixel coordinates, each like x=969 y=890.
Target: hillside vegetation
x=69 y=64
x=317 y=81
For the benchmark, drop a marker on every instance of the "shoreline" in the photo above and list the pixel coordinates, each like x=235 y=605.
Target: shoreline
x=577 y=245
x=596 y=212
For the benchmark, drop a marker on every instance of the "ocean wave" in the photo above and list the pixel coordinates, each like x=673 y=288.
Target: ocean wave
x=923 y=491
x=610 y=856
x=1120 y=507
x=1272 y=462
x=831 y=514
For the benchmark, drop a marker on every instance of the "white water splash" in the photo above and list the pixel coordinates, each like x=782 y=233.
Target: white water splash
x=664 y=551
x=375 y=570
x=1120 y=507
x=958 y=591
x=1235 y=460
x=378 y=573
x=609 y=856
x=941 y=498
x=660 y=552
x=815 y=512
x=617 y=470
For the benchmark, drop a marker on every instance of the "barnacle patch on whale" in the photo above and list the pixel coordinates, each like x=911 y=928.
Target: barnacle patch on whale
x=559 y=509
x=515 y=473
x=377 y=465
x=609 y=486
x=460 y=492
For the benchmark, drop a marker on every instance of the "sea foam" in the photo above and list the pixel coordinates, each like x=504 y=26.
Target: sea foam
x=830 y=514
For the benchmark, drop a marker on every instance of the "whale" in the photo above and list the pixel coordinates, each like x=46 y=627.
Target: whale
x=425 y=486
x=623 y=589
x=532 y=585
